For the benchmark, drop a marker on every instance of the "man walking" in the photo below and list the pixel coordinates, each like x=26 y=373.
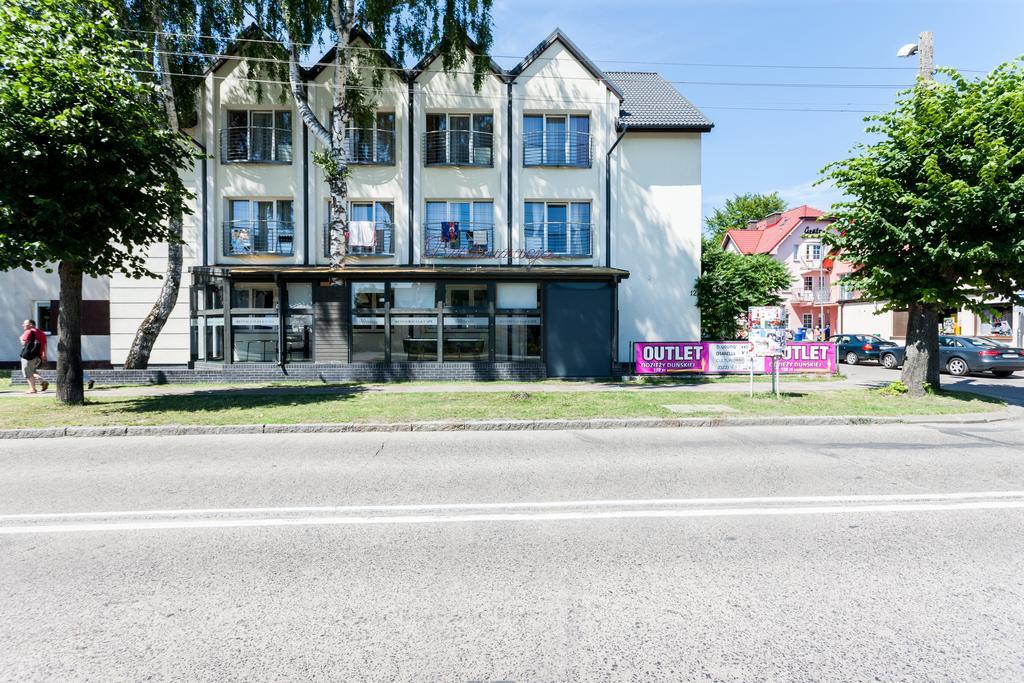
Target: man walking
x=33 y=353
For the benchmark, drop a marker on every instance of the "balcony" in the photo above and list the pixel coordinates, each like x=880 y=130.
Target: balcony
x=557 y=148
x=457 y=239
x=365 y=238
x=458 y=148
x=259 y=238
x=255 y=145
x=560 y=239
x=370 y=147
x=811 y=296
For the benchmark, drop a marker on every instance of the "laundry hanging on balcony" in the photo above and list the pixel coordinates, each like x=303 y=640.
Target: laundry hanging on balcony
x=362 y=234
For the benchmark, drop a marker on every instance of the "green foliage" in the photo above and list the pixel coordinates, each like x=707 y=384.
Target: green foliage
x=192 y=31
x=938 y=208
x=730 y=283
x=897 y=388
x=740 y=209
x=90 y=169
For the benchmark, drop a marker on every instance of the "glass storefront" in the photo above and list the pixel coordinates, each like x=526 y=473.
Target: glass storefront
x=387 y=322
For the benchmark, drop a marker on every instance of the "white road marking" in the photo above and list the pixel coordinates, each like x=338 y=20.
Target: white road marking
x=516 y=505
x=175 y=524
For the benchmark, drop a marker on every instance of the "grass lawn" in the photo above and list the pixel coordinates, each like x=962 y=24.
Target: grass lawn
x=5 y=378
x=218 y=406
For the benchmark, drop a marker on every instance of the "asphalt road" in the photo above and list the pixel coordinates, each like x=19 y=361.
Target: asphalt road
x=840 y=553
x=1009 y=389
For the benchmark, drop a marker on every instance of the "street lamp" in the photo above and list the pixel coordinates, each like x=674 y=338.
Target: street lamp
x=925 y=51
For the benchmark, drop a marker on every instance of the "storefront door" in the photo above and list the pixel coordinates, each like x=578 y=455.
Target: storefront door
x=578 y=329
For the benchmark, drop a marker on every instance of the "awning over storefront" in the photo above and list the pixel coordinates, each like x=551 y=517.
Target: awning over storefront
x=420 y=272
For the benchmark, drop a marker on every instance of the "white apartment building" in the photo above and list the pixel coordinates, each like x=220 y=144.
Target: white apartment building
x=541 y=223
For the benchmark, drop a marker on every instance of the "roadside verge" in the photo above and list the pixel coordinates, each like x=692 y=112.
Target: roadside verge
x=1009 y=413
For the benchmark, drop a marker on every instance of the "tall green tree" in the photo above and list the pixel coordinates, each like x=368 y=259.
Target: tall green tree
x=179 y=38
x=730 y=283
x=937 y=215
x=91 y=171
x=401 y=27
x=740 y=209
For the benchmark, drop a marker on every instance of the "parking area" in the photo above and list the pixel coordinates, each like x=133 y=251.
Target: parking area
x=1009 y=389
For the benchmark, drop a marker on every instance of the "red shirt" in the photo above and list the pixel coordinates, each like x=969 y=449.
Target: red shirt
x=40 y=337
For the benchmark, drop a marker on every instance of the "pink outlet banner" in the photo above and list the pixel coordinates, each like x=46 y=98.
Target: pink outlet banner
x=664 y=358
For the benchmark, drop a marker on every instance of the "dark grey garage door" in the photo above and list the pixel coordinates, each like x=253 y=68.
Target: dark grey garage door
x=578 y=329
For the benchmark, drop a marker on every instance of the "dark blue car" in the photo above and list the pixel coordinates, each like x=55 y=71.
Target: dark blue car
x=856 y=348
x=961 y=356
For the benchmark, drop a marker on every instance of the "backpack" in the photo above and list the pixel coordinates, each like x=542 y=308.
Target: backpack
x=31 y=349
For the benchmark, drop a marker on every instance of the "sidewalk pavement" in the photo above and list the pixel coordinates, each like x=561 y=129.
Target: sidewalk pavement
x=552 y=386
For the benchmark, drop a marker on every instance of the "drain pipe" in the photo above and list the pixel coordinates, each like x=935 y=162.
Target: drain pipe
x=608 y=193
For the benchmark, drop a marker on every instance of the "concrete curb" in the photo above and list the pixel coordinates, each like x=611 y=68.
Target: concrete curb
x=1010 y=413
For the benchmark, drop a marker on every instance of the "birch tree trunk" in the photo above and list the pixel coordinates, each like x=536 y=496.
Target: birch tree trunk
x=921 y=366
x=153 y=324
x=69 y=335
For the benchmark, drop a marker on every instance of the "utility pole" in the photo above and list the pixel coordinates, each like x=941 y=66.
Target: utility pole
x=926 y=56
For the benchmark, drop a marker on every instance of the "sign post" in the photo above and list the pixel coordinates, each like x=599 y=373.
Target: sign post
x=767 y=333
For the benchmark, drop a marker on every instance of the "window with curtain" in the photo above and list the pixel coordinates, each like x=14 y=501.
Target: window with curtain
x=556 y=140
x=459 y=227
x=372 y=139
x=459 y=139
x=558 y=228
x=259 y=226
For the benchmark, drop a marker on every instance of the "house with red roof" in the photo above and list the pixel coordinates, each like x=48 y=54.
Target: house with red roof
x=793 y=238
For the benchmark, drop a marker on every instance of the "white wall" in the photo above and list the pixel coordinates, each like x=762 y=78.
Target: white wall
x=21 y=289
x=865 y=317
x=656 y=236
x=131 y=300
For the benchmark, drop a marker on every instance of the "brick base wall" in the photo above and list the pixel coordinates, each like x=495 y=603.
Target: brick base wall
x=325 y=372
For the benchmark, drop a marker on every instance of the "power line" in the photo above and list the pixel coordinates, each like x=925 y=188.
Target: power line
x=837 y=67
x=561 y=78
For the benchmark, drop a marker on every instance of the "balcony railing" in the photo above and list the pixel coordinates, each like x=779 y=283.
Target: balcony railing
x=560 y=239
x=248 y=238
x=371 y=146
x=458 y=148
x=256 y=145
x=812 y=296
x=365 y=238
x=551 y=148
x=458 y=239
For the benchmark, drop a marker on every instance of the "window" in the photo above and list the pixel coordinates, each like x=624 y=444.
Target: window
x=257 y=136
x=45 y=321
x=370 y=228
x=812 y=251
x=807 y=320
x=558 y=228
x=258 y=226
x=244 y=295
x=517 y=322
x=459 y=228
x=808 y=283
x=372 y=139
x=556 y=140
x=368 y=344
x=459 y=140
x=413 y=338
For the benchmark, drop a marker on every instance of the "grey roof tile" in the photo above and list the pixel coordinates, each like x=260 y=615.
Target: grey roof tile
x=652 y=103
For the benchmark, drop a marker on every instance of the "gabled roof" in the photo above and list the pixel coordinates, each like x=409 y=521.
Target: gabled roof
x=768 y=233
x=251 y=33
x=651 y=103
x=428 y=58
x=357 y=33
x=559 y=37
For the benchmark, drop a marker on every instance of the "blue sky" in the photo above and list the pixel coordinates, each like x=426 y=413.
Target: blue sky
x=763 y=151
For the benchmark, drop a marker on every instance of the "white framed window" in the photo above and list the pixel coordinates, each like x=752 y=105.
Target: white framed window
x=808 y=283
x=556 y=140
x=558 y=228
x=459 y=139
x=42 y=313
x=258 y=136
x=807 y=320
x=812 y=251
x=459 y=226
x=371 y=138
x=259 y=226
